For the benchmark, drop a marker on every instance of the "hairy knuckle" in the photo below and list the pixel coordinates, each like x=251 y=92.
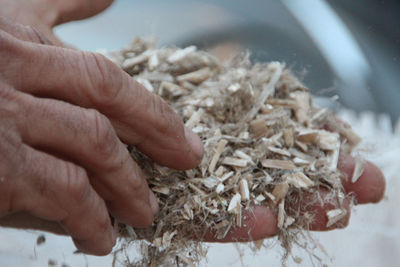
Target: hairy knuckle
x=104 y=79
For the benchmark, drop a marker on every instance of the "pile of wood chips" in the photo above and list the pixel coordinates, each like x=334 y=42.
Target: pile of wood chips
x=264 y=143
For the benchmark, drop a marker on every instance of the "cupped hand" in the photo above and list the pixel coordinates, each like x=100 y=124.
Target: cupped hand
x=63 y=114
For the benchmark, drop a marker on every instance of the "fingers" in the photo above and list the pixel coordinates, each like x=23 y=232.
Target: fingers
x=87 y=138
x=261 y=221
x=92 y=81
x=313 y=208
x=57 y=190
x=369 y=188
x=258 y=223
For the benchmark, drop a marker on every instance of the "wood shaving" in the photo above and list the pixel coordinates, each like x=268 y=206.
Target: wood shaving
x=264 y=141
x=334 y=216
x=358 y=169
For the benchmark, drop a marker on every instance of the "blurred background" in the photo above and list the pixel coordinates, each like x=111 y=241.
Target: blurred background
x=349 y=49
x=345 y=48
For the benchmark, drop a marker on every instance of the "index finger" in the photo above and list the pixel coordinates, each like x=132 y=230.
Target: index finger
x=92 y=81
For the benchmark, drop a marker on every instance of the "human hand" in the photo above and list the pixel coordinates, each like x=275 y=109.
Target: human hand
x=62 y=116
x=261 y=222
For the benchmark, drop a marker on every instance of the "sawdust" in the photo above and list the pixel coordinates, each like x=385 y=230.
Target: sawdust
x=265 y=144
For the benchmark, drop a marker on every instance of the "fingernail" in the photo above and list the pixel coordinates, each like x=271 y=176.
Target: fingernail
x=195 y=143
x=153 y=203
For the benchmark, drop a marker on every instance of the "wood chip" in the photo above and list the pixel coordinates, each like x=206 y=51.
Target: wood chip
x=334 y=216
x=270 y=196
x=303 y=104
x=288 y=137
x=267 y=91
x=358 y=169
x=234 y=162
x=234 y=205
x=167 y=238
x=327 y=140
x=210 y=182
x=195 y=77
x=181 y=54
x=260 y=198
x=146 y=84
x=233 y=88
x=281 y=213
x=197 y=190
x=279 y=151
x=153 y=61
x=301 y=145
x=220 y=188
x=280 y=191
x=278 y=164
x=289 y=221
x=226 y=176
x=244 y=190
x=194 y=119
x=130 y=62
x=161 y=189
x=299 y=180
x=259 y=127
x=333 y=155
x=243 y=156
x=307 y=136
x=221 y=145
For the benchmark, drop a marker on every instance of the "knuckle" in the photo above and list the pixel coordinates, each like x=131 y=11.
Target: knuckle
x=12 y=106
x=167 y=121
x=137 y=182
x=77 y=183
x=104 y=79
x=103 y=138
x=33 y=35
x=10 y=50
x=103 y=220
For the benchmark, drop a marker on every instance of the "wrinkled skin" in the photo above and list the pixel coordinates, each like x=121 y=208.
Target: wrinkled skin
x=64 y=118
